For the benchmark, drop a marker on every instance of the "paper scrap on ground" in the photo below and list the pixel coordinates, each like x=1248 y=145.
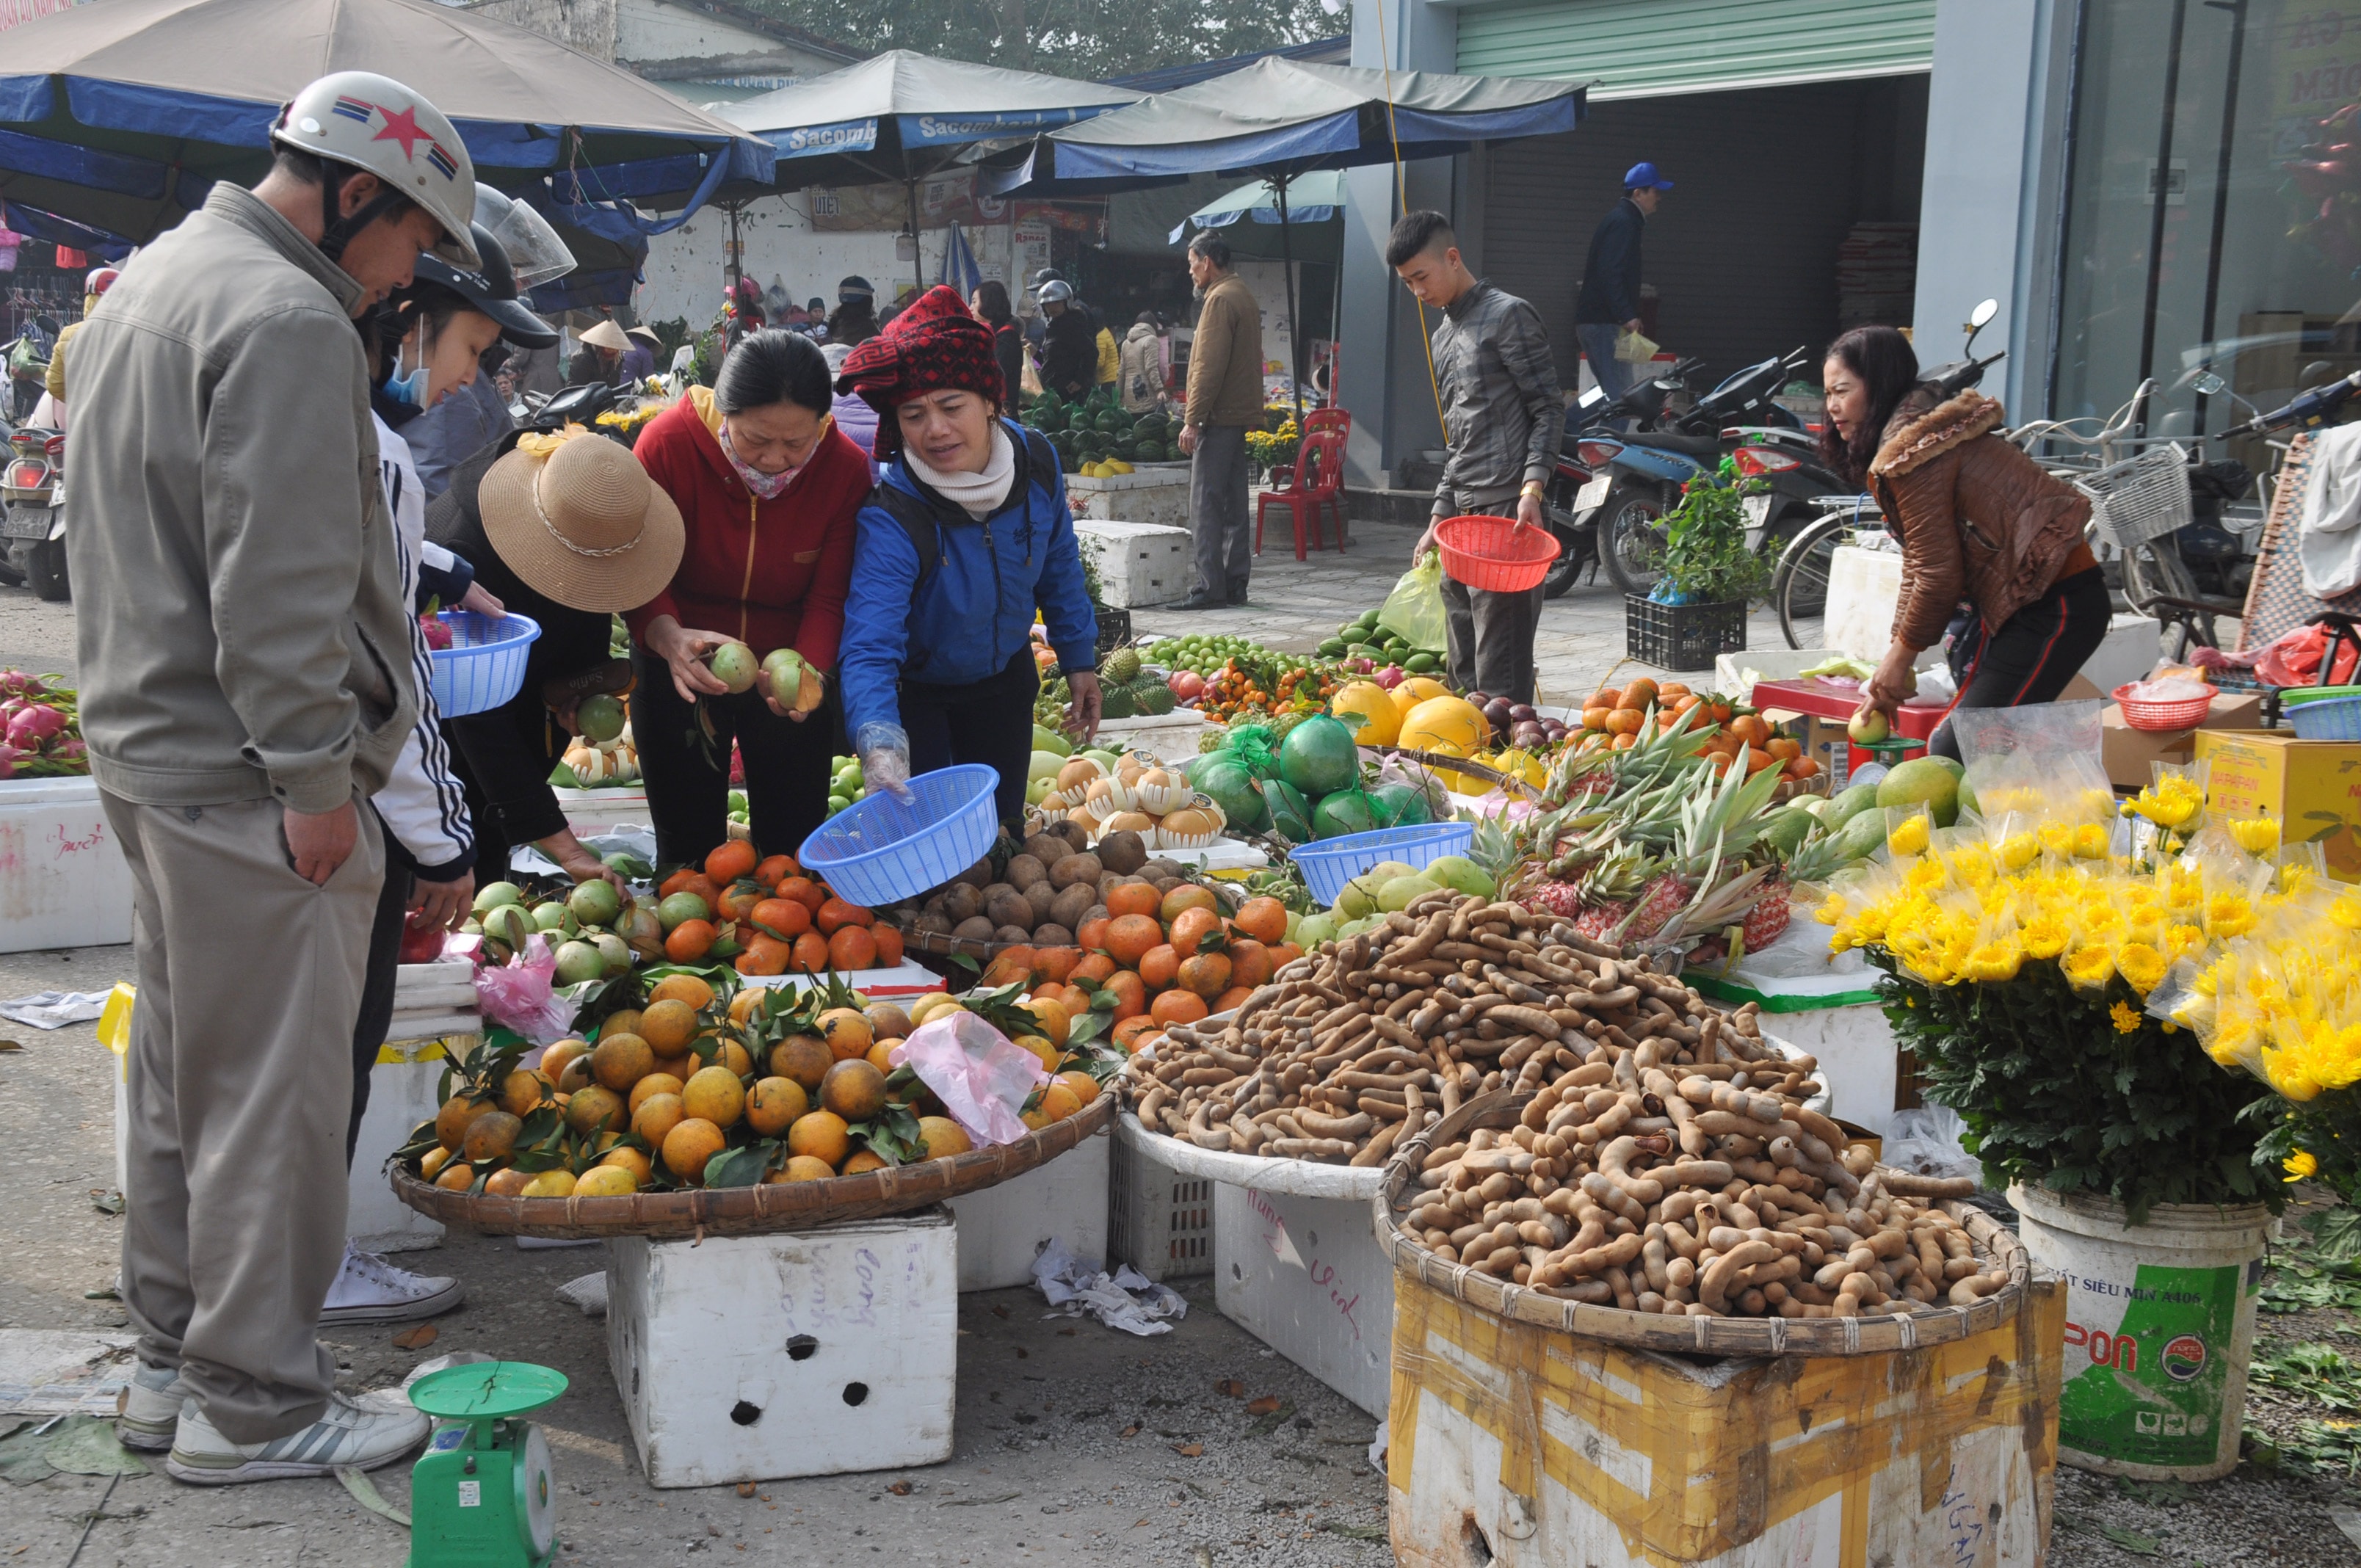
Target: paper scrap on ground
x=588 y=1292
x=55 y=1009
x=1127 y=1300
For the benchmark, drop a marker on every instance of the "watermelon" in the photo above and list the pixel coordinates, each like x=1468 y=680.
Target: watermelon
x=1341 y=812
x=1319 y=756
x=1290 y=814
x=1398 y=805
x=1232 y=788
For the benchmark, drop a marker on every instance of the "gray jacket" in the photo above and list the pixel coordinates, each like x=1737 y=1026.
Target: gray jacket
x=1502 y=412
x=241 y=630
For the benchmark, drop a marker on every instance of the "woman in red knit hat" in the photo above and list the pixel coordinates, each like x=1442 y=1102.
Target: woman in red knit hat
x=768 y=489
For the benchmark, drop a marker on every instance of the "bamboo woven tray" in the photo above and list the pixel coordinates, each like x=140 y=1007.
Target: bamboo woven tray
x=1872 y=1335
x=754 y=1210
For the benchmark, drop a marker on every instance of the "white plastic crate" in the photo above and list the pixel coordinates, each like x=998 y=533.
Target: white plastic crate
x=63 y=879
x=1167 y=736
x=1305 y=1276
x=759 y=1358
x=1139 y=564
x=401 y=1095
x=1159 y=1221
x=1002 y=1228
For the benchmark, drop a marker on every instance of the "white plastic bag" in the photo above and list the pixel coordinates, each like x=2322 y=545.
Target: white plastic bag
x=1925 y=1139
x=982 y=1076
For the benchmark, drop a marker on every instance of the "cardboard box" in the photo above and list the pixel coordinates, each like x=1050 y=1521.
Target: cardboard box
x=2127 y=753
x=2312 y=787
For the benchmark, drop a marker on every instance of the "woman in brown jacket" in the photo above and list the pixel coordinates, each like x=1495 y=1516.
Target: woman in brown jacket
x=1992 y=549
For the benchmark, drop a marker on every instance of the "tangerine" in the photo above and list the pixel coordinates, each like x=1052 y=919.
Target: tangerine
x=737 y=900
x=852 y=949
x=881 y=1054
x=1130 y=994
x=804 y=891
x=1263 y=919
x=492 y=1136
x=822 y=1134
x=730 y=859
x=810 y=953
x=1094 y=967
x=889 y=946
x=862 y=1162
x=801 y=1168
x=1012 y=964
x=669 y=1025
x=619 y=1061
x=596 y=1110
x=554 y=1059
x=689 y=1146
x=714 y=1094
x=1049 y=963
x=1091 y=935
x=690 y=941
x=1086 y=1088
x=525 y=1091
x=804 y=1057
x=1134 y=898
x=605 y=1180
x=1052 y=1017
x=1187 y=895
x=1128 y=1034
x=457 y=1177
x=656 y=1115
x=774 y=1104
x=1193 y=926
x=1750 y=728
x=1159 y=966
x=944 y=1137
x=648 y=1088
x=1207 y=974
x=765 y=955
x=1251 y=963
x=853 y=1090
x=783 y=918
x=1130 y=936
x=847 y=1031
x=685 y=988
x=509 y=1183
x=1235 y=997
x=775 y=868
x=676 y=883
x=1177 y=1006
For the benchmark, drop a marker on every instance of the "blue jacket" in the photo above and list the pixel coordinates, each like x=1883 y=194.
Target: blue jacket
x=974 y=611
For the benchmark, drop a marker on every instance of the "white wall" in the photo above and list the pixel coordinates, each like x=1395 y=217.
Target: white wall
x=685 y=277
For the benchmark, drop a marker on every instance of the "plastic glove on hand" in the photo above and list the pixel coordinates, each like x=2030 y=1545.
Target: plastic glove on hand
x=888 y=770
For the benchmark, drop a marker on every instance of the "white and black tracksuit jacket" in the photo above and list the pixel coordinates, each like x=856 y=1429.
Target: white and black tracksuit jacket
x=423 y=803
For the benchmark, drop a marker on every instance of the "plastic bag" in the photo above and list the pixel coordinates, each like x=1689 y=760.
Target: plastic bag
x=1413 y=611
x=517 y=996
x=1925 y=1139
x=982 y=1076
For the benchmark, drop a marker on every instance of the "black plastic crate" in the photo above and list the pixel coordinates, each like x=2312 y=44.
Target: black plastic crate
x=1682 y=636
x=1115 y=628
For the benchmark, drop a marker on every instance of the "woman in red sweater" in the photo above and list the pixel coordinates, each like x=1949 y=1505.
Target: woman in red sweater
x=768 y=489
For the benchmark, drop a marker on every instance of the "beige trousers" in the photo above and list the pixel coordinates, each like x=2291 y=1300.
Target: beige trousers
x=241 y=1082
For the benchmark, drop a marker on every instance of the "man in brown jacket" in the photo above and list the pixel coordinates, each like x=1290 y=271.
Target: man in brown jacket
x=1224 y=403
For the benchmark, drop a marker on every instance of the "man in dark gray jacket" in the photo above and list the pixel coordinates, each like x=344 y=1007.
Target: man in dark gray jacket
x=244 y=651
x=1609 y=304
x=1504 y=421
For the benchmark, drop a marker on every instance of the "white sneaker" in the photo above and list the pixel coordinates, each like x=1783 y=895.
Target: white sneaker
x=149 y=1408
x=363 y=1437
x=369 y=1290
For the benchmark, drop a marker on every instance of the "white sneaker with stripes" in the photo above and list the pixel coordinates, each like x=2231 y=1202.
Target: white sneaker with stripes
x=148 y=1410
x=348 y=1434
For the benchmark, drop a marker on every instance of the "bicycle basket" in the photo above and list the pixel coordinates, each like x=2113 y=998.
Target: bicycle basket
x=2141 y=499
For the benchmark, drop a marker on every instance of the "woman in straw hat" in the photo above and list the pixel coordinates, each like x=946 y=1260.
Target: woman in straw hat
x=600 y=358
x=767 y=488
x=567 y=529
x=965 y=535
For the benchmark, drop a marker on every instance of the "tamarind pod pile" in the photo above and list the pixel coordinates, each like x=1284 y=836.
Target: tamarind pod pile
x=1356 y=1048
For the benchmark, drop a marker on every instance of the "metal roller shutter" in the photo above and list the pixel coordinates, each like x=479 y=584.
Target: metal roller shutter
x=1648 y=48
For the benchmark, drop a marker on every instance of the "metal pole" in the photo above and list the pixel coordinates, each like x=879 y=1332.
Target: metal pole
x=917 y=251
x=1287 y=272
x=2237 y=10
x=2162 y=193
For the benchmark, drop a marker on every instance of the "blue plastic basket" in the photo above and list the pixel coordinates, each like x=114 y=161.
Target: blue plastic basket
x=879 y=851
x=2327 y=718
x=1330 y=863
x=484 y=666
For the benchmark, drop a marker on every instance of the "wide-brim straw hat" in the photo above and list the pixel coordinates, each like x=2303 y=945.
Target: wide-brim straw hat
x=607 y=334
x=583 y=525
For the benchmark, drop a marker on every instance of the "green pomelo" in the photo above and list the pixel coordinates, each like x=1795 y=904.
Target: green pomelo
x=1344 y=811
x=600 y=718
x=1462 y=876
x=1319 y=755
x=1923 y=781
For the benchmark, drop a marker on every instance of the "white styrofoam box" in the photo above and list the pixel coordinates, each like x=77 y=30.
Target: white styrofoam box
x=1305 y=1276
x=1168 y=736
x=1140 y=563
x=1003 y=1227
x=1223 y=854
x=1159 y=1221
x=759 y=1358
x=401 y=1095
x=2133 y=644
x=63 y=879
x=1735 y=674
x=1157 y=496
x=904 y=979
x=594 y=811
x=432 y=999
x=1854 y=1046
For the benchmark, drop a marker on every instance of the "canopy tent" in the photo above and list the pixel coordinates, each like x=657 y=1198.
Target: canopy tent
x=1316 y=198
x=121 y=117
x=901 y=117
x=1286 y=119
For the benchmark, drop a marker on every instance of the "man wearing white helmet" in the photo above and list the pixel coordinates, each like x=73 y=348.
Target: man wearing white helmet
x=245 y=688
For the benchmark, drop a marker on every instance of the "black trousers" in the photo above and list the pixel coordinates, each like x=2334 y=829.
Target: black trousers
x=2033 y=655
x=989 y=721
x=377 y=984
x=787 y=766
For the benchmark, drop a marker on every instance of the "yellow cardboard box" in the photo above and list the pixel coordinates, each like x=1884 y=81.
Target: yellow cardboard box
x=2312 y=787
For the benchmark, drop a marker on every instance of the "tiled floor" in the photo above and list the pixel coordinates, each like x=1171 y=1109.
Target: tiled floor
x=1294 y=605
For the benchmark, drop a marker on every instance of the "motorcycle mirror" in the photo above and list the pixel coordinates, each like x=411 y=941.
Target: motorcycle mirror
x=2319 y=373
x=1981 y=316
x=2208 y=385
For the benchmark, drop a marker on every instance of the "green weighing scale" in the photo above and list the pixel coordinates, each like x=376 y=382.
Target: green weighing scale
x=480 y=1496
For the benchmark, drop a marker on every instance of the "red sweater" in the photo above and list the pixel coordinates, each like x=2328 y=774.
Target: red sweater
x=773 y=574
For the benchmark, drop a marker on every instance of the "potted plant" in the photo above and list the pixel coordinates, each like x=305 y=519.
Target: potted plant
x=1698 y=609
x=2041 y=969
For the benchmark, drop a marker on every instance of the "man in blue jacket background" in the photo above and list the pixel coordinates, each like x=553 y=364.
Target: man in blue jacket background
x=1609 y=300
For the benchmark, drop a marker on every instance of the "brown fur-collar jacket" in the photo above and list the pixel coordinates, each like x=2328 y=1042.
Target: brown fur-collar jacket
x=1976 y=518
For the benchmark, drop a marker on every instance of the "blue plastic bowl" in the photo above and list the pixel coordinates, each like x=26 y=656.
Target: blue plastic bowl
x=2326 y=718
x=484 y=666
x=1329 y=863
x=880 y=851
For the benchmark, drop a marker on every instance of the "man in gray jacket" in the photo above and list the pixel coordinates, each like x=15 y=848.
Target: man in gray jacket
x=245 y=688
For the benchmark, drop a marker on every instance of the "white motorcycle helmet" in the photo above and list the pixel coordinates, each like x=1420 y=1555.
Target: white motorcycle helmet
x=360 y=120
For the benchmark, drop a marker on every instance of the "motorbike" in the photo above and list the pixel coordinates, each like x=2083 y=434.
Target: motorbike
x=1570 y=503
x=33 y=495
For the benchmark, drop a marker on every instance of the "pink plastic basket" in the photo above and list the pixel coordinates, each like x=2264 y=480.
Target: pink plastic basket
x=1495 y=555
x=2184 y=715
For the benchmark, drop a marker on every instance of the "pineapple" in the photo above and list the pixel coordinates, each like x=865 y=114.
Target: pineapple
x=1815 y=861
x=1717 y=826
x=1563 y=899
x=1609 y=890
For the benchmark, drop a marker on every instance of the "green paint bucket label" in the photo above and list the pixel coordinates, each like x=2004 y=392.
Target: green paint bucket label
x=2147 y=1364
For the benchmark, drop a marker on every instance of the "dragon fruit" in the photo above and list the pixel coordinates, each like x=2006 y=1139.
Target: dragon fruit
x=68 y=748
x=437 y=629
x=8 y=755
x=33 y=725
x=19 y=684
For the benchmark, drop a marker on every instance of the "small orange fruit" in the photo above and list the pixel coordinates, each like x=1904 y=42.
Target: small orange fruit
x=775 y=868
x=1235 y=997
x=1132 y=898
x=1130 y=994
x=1091 y=935
x=835 y=914
x=801 y=1168
x=1251 y=962
x=689 y=1145
x=1084 y=1087
x=1264 y=919
x=1095 y=967
x=714 y=1094
x=853 y=1090
x=886 y=1018
x=1132 y=1033
x=852 y=948
x=1207 y=974
x=944 y=1137
x=1191 y=926
x=1049 y=963
x=847 y=1032
x=804 y=1057
x=451 y=1121
x=1129 y=937
x=685 y=988
x=822 y=1135
x=594 y=1109
x=648 y=1088
x=1177 y=1006
x=1159 y=966
x=734 y=859
x=690 y=941
x=1054 y=1022
x=733 y=1055
x=509 y=1183
x=633 y=1161
x=1187 y=895
x=889 y=946
x=525 y=1091
x=774 y=1104
x=862 y=1162
x=554 y=1059
x=656 y=1115
x=881 y=1054
x=1011 y=964
x=456 y=1177
x=605 y=1180
x=811 y=954
x=619 y=1061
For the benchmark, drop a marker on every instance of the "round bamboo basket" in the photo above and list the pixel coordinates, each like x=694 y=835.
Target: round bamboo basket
x=1874 y=1334
x=754 y=1210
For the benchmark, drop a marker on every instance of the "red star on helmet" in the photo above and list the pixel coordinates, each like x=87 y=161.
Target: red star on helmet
x=405 y=128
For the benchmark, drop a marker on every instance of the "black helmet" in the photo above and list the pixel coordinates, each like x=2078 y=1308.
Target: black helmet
x=854 y=287
x=491 y=290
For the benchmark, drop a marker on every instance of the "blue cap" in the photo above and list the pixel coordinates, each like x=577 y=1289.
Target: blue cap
x=1643 y=176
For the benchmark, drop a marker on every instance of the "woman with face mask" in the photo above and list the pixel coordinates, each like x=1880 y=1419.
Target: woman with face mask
x=768 y=488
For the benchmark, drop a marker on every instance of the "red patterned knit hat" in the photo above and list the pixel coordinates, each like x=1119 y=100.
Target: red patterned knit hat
x=936 y=344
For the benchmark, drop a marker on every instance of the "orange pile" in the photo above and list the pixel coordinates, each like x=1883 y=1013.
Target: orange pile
x=776 y=920
x=1613 y=718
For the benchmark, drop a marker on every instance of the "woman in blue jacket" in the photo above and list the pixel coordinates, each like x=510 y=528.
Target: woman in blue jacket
x=966 y=535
